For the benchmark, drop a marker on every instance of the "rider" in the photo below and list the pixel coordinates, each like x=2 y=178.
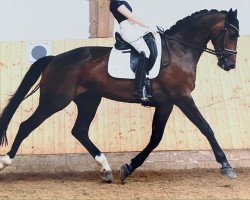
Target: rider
x=132 y=31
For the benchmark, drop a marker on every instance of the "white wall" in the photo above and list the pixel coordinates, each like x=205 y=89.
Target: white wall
x=43 y=19
x=68 y=19
x=166 y=12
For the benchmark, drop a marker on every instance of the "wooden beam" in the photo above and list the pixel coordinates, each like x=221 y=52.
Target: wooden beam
x=93 y=18
x=111 y=25
x=101 y=20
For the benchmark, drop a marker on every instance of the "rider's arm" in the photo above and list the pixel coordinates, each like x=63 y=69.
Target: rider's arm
x=126 y=12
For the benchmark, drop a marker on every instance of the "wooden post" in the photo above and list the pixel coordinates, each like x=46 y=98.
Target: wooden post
x=111 y=25
x=93 y=18
x=101 y=20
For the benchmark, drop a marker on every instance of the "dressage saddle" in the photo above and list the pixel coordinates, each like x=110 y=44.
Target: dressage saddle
x=134 y=54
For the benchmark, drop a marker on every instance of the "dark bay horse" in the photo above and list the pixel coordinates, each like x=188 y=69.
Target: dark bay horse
x=81 y=75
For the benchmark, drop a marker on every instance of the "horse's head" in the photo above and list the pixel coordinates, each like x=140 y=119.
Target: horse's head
x=224 y=38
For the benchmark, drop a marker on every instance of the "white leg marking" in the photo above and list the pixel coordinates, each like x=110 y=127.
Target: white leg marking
x=5 y=161
x=102 y=160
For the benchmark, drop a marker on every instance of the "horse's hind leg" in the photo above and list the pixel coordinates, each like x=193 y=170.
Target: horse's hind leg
x=43 y=111
x=188 y=107
x=161 y=116
x=87 y=105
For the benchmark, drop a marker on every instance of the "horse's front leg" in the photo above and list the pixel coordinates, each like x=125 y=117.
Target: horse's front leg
x=161 y=116
x=188 y=107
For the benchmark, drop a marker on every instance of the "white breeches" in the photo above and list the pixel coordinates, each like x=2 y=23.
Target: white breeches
x=133 y=34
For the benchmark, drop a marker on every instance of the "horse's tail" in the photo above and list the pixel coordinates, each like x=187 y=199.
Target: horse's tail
x=28 y=81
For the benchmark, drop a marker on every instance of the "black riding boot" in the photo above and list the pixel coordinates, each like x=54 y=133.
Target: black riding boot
x=140 y=80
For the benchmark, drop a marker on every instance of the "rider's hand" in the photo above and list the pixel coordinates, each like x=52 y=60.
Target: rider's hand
x=153 y=29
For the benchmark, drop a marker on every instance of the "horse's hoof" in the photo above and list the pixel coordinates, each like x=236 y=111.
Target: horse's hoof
x=106 y=175
x=228 y=171
x=2 y=165
x=5 y=161
x=125 y=171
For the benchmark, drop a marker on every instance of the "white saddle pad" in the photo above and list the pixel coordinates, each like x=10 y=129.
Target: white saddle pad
x=119 y=63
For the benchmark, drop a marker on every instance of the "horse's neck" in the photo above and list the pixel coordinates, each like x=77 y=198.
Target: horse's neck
x=196 y=35
x=199 y=32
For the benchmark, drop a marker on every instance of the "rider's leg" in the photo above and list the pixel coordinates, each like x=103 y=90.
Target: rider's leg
x=141 y=46
x=141 y=70
x=134 y=36
x=140 y=79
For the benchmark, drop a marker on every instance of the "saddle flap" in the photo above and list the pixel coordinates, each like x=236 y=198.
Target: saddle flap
x=134 y=60
x=134 y=55
x=120 y=60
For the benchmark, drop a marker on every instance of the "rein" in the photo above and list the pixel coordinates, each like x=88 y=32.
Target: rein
x=220 y=53
x=206 y=49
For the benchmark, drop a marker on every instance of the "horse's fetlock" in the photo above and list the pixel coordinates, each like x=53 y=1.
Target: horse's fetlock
x=102 y=160
x=5 y=161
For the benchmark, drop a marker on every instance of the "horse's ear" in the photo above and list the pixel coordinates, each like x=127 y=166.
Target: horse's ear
x=235 y=13
x=232 y=14
x=232 y=18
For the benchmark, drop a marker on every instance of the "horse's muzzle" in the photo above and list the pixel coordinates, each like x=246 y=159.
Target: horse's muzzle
x=226 y=64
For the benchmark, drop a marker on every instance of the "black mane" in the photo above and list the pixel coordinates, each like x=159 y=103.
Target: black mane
x=189 y=19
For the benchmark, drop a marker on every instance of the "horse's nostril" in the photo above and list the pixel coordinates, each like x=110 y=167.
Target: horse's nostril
x=226 y=64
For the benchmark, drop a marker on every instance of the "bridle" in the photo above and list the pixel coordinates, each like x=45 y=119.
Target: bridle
x=221 y=52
